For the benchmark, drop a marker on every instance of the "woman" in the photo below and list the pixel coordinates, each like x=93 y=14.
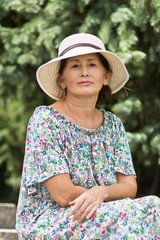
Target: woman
x=78 y=178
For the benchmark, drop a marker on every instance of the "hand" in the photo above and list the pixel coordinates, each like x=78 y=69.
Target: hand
x=87 y=203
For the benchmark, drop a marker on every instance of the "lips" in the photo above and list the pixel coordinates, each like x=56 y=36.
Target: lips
x=85 y=83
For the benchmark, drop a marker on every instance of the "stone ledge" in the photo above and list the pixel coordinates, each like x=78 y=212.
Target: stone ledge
x=7 y=215
x=8 y=234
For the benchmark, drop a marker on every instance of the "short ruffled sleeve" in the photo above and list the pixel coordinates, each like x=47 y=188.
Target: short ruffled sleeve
x=122 y=155
x=44 y=157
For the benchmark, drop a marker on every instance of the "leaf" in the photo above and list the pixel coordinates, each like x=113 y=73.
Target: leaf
x=123 y=14
x=104 y=32
x=27 y=58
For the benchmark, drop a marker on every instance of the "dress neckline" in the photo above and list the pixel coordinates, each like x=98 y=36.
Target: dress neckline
x=72 y=124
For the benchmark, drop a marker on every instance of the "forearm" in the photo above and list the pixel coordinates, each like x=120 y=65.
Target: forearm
x=71 y=194
x=88 y=202
x=119 y=191
x=110 y=193
x=74 y=192
x=62 y=189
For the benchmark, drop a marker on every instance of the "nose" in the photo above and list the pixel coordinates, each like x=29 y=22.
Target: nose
x=84 y=72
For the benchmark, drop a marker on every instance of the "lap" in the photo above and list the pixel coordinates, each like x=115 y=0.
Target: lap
x=113 y=220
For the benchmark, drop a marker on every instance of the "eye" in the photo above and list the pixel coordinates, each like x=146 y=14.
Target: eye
x=75 y=66
x=92 y=65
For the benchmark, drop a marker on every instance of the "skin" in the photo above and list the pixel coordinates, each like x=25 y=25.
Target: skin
x=83 y=77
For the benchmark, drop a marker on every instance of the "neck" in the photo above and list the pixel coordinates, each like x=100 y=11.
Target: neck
x=81 y=109
x=82 y=113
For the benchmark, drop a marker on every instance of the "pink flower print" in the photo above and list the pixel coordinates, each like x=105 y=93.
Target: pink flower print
x=57 y=236
x=44 y=144
x=81 y=226
x=126 y=166
x=67 y=139
x=123 y=214
x=72 y=228
x=92 y=218
x=123 y=155
x=91 y=178
x=28 y=140
x=60 y=168
x=112 y=135
x=103 y=232
x=70 y=234
x=154 y=210
x=70 y=124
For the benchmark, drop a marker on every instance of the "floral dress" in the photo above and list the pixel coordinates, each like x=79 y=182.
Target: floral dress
x=54 y=145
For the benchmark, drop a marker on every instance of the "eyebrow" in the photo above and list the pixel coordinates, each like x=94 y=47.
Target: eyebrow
x=89 y=59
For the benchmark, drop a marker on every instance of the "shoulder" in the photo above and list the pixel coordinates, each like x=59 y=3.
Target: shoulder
x=40 y=113
x=114 y=123
x=44 y=116
x=111 y=118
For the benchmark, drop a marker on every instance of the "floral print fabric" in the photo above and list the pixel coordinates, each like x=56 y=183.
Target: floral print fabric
x=54 y=145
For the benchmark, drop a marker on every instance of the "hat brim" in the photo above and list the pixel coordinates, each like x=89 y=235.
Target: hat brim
x=48 y=72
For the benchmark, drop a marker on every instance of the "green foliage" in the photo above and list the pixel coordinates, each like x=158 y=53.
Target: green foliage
x=30 y=32
x=127 y=108
x=155 y=146
x=12 y=136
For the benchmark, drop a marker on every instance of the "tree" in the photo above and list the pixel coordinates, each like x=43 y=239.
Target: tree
x=30 y=32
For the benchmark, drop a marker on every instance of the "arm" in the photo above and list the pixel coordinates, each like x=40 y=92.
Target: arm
x=88 y=202
x=62 y=189
x=126 y=187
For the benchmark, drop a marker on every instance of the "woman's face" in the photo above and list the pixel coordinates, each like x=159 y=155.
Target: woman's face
x=84 y=76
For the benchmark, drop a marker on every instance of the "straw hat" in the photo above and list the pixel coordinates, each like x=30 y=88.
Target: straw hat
x=74 y=45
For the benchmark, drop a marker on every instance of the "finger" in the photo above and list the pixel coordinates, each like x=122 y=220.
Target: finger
x=85 y=213
x=71 y=203
x=89 y=212
x=84 y=210
x=80 y=211
x=86 y=205
x=75 y=200
x=76 y=206
x=92 y=212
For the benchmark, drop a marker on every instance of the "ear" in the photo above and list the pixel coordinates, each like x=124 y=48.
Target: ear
x=61 y=81
x=106 y=78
